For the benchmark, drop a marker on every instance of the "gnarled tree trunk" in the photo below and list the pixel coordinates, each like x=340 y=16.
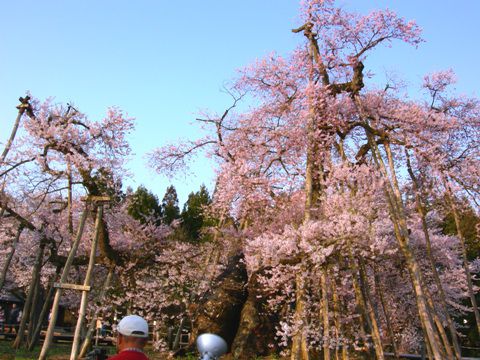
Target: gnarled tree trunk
x=256 y=330
x=219 y=312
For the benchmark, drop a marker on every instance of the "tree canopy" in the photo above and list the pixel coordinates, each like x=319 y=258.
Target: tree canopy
x=344 y=220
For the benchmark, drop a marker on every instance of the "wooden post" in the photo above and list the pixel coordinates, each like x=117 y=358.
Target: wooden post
x=91 y=326
x=399 y=221
x=69 y=199
x=28 y=301
x=422 y=211
x=46 y=306
x=176 y=342
x=375 y=331
x=324 y=314
x=170 y=338
x=97 y=331
x=466 y=267
x=58 y=293
x=88 y=277
x=379 y=291
x=22 y=107
x=32 y=320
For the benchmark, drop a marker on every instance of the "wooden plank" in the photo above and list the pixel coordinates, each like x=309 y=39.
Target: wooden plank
x=92 y=198
x=72 y=286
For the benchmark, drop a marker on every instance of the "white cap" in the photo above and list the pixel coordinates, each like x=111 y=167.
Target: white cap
x=133 y=325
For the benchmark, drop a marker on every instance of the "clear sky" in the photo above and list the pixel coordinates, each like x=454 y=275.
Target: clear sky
x=164 y=61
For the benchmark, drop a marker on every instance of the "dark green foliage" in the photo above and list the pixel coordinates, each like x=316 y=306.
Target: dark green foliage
x=468 y=222
x=144 y=205
x=170 y=208
x=108 y=186
x=193 y=215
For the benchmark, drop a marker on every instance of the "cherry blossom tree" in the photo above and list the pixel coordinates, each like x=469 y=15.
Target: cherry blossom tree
x=60 y=158
x=314 y=172
x=60 y=151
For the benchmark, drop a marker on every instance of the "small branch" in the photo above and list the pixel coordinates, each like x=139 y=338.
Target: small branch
x=5 y=172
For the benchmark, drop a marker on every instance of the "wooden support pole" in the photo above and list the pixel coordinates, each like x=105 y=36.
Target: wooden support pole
x=88 y=337
x=58 y=293
x=28 y=301
x=24 y=105
x=324 y=314
x=43 y=313
x=466 y=266
x=88 y=277
x=176 y=342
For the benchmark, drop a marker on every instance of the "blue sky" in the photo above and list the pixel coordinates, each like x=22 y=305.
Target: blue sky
x=164 y=61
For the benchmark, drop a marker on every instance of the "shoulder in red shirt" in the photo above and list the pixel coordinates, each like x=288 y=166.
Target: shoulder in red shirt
x=129 y=355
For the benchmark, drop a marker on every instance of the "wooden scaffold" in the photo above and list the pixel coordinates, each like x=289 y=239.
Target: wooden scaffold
x=98 y=202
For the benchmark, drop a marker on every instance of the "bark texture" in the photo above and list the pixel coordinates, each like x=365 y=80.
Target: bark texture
x=219 y=312
x=256 y=331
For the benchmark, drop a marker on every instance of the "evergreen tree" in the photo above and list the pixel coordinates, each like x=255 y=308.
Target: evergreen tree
x=108 y=185
x=468 y=225
x=170 y=208
x=143 y=204
x=193 y=213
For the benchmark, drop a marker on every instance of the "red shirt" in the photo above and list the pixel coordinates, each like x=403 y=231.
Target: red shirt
x=129 y=355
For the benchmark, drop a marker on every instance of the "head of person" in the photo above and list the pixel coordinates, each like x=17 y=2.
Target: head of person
x=132 y=332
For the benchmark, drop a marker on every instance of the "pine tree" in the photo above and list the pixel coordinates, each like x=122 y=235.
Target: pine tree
x=144 y=205
x=193 y=215
x=170 y=208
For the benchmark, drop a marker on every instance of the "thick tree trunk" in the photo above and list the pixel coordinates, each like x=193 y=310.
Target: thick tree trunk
x=220 y=311
x=313 y=176
x=256 y=331
x=299 y=340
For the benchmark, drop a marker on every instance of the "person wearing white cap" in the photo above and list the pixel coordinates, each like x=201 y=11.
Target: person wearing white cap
x=132 y=336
